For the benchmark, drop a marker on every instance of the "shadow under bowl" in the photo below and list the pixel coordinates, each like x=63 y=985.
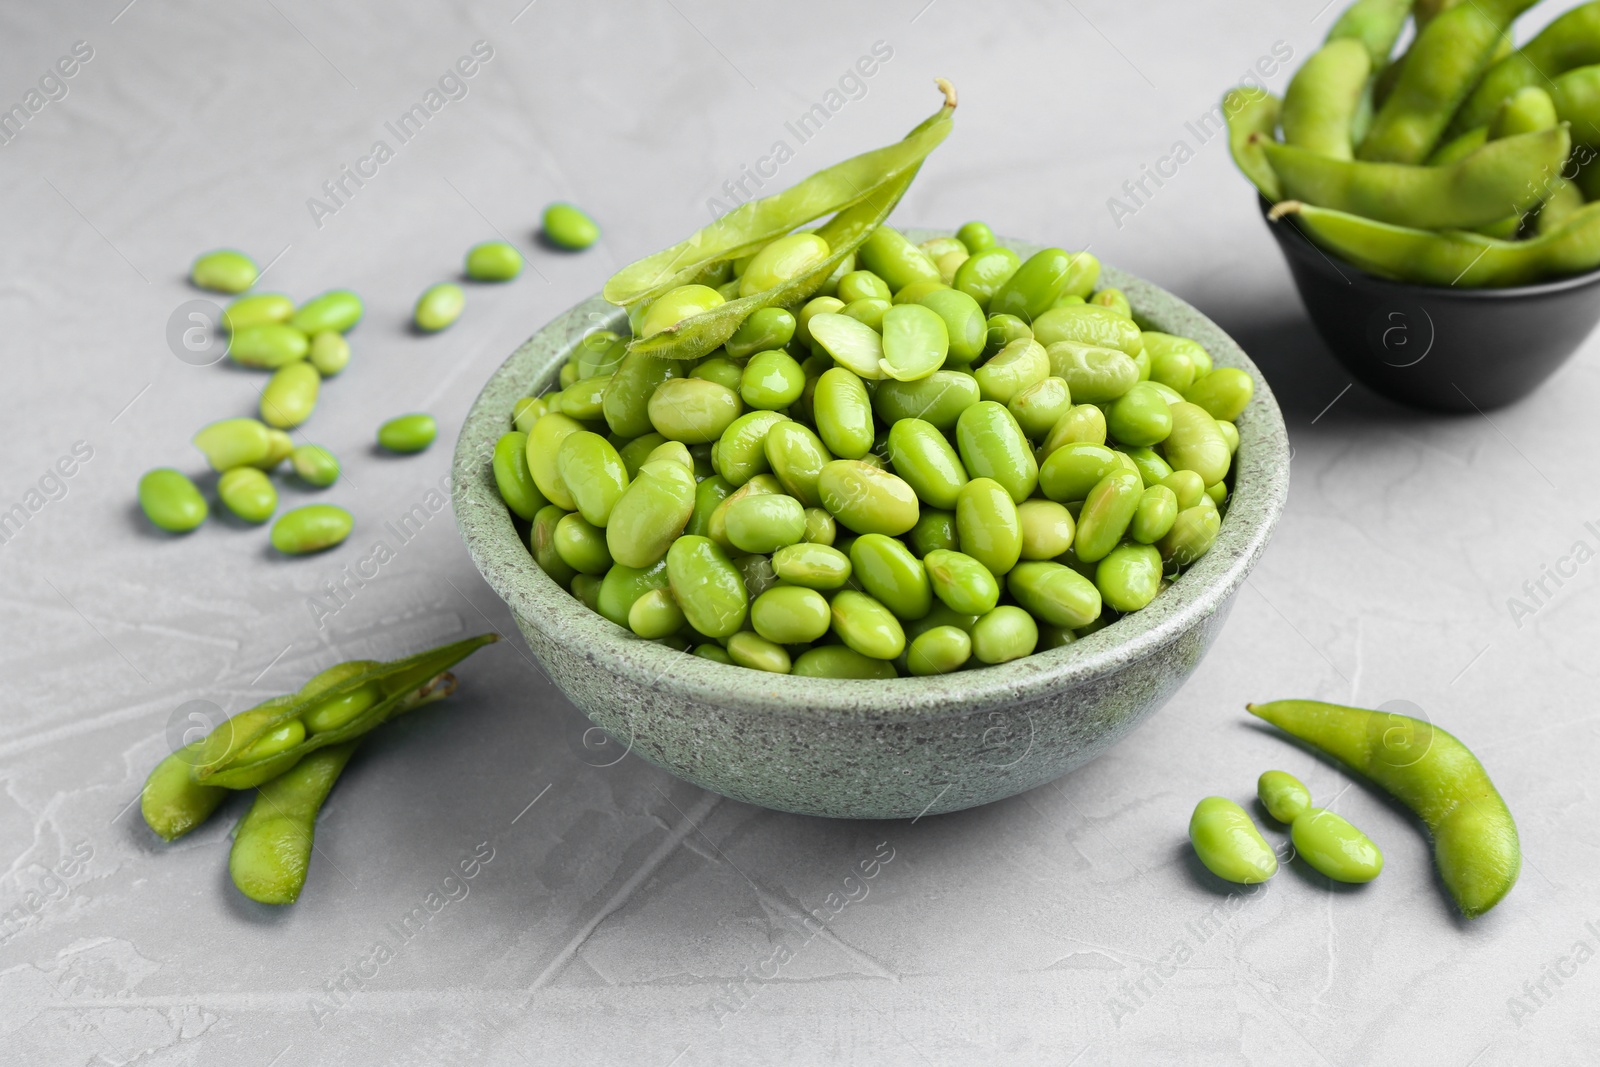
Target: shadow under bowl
x=898 y=748
x=1437 y=347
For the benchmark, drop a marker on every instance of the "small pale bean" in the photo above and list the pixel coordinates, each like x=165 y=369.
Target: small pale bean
x=566 y=226
x=408 y=433
x=1229 y=844
x=224 y=271
x=311 y=528
x=171 y=501
x=248 y=493
x=493 y=261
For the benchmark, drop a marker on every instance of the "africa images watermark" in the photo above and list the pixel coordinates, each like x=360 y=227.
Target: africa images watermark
x=51 y=88
x=342 y=188
x=1540 y=991
x=851 y=85
x=51 y=486
x=338 y=592
x=1206 y=127
x=1560 y=572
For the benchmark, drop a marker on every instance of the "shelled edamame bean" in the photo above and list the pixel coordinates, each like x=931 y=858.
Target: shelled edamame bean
x=886 y=478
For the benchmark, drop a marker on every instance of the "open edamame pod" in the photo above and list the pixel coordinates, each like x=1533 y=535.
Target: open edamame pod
x=272 y=843
x=1570 y=41
x=226 y=757
x=1376 y=24
x=1429 y=771
x=1319 y=107
x=1252 y=115
x=1503 y=177
x=1454 y=257
x=745 y=229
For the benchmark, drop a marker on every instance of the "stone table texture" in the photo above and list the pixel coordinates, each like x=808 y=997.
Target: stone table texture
x=613 y=913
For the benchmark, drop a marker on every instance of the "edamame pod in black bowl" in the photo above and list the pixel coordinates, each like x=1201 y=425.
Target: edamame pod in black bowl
x=1439 y=347
x=880 y=747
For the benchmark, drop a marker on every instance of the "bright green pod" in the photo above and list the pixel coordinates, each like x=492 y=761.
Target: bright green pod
x=1040 y=406
x=983 y=273
x=582 y=545
x=938 y=651
x=1193 y=533
x=1283 y=795
x=692 y=410
x=268 y=345
x=889 y=572
x=791 y=615
x=867 y=626
x=329 y=353
x=708 y=496
x=291 y=395
x=966 y=329
x=337 y=309
x=637 y=452
x=1047 y=528
x=256 y=309
x=1072 y=470
x=230 y=443
x=568 y=227
x=1081 y=424
x=1089 y=324
x=961 y=582
x=988 y=525
x=1107 y=511
x=1139 y=417
x=224 y=271
x=781 y=261
x=652 y=511
x=654 y=615
x=839 y=661
x=924 y=458
x=594 y=475
x=843 y=413
x=888 y=254
x=741 y=450
x=796 y=457
x=1054 y=593
x=1224 y=393
x=248 y=493
x=975 y=237
x=867 y=499
x=934 y=530
x=1034 y=287
x=542 y=546
x=1229 y=844
x=171 y=501
x=1018 y=366
x=1153 y=518
x=915 y=342
x=311 y=528
x=1187 y=486
x=771 y=381
x=1095 y=375
x=862 y=285
x=1195 y=444
x=439 y=306
x=626 y=404
x=493 y=261
x=812 y=565
x=622 y=586
x=1004 y=634
x=765 y=522
x=939 y=399
x=725 y=372
x=707 y=586
x=511 y=474
x=1335 y=848
x=993 y=446
x=1129 y=576
x=172 y=802
x=408 y=433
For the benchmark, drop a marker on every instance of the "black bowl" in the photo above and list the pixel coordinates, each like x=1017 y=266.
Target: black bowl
x=1433 y=346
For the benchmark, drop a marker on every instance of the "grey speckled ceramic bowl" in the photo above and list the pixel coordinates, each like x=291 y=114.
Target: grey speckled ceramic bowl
x=856 y=749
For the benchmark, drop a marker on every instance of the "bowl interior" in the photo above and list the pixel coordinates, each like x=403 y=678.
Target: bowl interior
x=1261 y=473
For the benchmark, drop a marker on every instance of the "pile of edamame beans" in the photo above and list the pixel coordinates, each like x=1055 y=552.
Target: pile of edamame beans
x=1460 y=162
x=302 y=346
x=945 y=457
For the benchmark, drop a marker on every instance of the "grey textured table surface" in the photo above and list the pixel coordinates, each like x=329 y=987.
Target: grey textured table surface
x=625 y=916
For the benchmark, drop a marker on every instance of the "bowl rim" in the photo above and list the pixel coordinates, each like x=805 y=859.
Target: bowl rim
x=497 y=549
x=1301 y=243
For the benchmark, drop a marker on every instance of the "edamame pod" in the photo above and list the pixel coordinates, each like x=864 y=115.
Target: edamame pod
x=172 y=802
x=1429 y=771
x=1252 y=115
x=1320 y=105
x=273 y=842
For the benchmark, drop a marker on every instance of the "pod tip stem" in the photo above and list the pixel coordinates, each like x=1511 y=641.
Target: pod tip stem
x=1284 y=207
x=948 y=90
